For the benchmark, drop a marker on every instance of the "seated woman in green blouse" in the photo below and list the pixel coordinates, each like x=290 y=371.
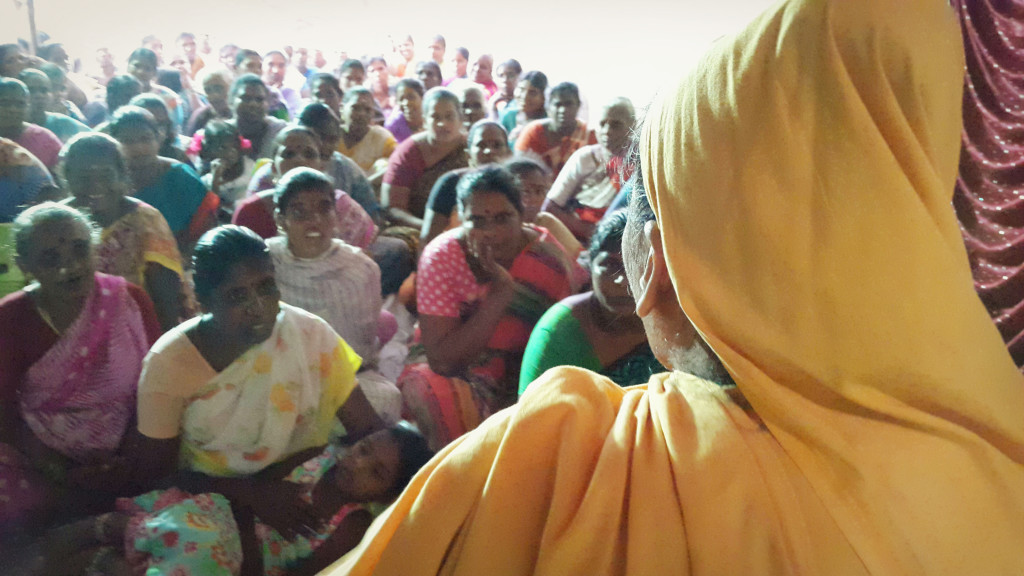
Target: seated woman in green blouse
x=597 y=330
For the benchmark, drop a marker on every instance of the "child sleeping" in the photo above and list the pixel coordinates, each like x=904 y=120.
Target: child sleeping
x=176 y=533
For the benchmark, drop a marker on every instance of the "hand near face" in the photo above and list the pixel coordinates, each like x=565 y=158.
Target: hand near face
x=218 y=169
x=483 y=254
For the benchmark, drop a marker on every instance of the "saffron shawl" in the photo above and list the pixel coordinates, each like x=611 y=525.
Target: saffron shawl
x=801 y=177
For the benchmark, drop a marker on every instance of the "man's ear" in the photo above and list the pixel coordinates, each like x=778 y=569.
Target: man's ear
x=654 y=279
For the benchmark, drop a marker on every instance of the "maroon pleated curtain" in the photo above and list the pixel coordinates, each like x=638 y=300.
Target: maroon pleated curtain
x=989 y=198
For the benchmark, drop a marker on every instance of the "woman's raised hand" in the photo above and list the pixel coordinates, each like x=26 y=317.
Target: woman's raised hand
x=484 y=256
x=218 y=168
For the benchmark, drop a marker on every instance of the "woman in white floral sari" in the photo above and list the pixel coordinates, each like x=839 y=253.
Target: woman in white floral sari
x=241 y=395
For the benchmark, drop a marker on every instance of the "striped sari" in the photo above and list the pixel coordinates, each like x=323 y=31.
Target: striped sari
x=446 y=407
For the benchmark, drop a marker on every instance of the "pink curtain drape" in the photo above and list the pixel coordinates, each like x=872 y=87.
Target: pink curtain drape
x=988 y=198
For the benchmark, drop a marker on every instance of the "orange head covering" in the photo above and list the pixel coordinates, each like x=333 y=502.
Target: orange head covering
x=802 y=179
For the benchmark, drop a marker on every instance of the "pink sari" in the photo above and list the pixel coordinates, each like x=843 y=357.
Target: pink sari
x=79 y=397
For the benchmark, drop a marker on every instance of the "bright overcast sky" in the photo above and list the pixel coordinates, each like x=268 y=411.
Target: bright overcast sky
x=626 y=48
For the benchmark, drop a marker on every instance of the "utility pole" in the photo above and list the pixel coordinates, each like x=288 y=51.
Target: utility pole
x=34 y=43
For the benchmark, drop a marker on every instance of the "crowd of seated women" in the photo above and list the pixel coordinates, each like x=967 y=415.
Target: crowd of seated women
x=206 y=264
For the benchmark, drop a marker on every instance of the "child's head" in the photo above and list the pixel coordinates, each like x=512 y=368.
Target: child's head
x=221 y=141
x=378 y=467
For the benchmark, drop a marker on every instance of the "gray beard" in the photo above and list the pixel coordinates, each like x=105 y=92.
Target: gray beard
x=698 y=359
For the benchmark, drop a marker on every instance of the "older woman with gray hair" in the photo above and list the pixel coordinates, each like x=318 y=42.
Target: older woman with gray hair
x=594 y=174
x=71 y=350
x=216 y=84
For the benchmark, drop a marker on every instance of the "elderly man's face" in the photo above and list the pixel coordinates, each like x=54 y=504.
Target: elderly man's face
x=672 y=337
x=188 y=47
x=227 y=56
x=437 y=50
x=300 y=57
x=274 y=69
x=482 y=67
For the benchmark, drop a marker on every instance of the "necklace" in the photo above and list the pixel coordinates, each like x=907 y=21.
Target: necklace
x=37 y=299
x=46 y=318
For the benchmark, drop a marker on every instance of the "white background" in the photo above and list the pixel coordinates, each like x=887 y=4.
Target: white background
x=609 y=48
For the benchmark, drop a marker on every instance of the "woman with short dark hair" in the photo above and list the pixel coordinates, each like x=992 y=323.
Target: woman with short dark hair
x=248 y=101
x=136 y=244
x=407 y=117
x=554 y=139
x=419 y=161
x=480 y=289
x=170 y=186
x=527 y=103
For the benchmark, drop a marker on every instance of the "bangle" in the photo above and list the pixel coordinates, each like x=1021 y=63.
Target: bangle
x=100 y=558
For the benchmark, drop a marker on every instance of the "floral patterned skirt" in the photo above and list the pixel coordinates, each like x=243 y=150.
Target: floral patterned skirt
x=172 y=532
x=175 y=533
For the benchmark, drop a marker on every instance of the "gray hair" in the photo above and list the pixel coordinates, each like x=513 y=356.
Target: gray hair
x=26 y=222
x=623 y=103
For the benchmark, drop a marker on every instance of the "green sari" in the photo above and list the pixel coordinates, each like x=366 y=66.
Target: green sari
x=559 y=340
